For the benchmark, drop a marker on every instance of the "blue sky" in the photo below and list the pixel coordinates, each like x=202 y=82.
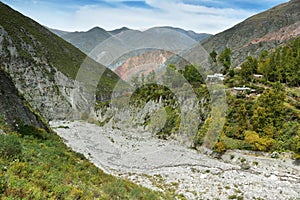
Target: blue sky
x=210 y=16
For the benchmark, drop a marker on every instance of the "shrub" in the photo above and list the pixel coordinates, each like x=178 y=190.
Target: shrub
x=261 y=144
x=27 y=130
x=116 y=190
x=10 y=146
x=3 y=184
x=220 y=147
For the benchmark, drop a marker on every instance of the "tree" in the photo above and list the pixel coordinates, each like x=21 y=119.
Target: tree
x=225 y=59
x=282 y=65
x=269 y=110
x=249 y=68
x=213 y=56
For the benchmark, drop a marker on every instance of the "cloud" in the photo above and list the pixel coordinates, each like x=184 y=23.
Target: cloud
x=171 y=13
x=210 y=16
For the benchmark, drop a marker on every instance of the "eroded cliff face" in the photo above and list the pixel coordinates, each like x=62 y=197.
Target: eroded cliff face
x=50 y=92
x=266 y=42
x=142 y=64
x=13 y=108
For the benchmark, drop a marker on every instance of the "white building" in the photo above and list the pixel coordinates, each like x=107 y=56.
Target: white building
x=216 y=76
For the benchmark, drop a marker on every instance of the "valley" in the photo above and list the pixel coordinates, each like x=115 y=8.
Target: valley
x=157 y=113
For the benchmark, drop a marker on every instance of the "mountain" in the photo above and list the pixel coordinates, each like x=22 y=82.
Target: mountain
x=44 y=68
x=113 y=51
x=120 y=49
x=58 y=32
x=87 y=41
x=190 y=33
x=120 y=30
x=262 y=31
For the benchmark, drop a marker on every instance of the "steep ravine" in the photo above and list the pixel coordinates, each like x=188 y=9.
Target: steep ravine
x=166 y=165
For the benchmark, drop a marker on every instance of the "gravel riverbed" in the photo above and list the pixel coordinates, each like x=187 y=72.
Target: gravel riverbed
x=165 y=165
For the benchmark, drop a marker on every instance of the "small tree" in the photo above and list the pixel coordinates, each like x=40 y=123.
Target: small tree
x=213 y=55
x=225 y=59
x=248 y=68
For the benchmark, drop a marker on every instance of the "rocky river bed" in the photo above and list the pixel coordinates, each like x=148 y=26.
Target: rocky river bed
x=165 y=165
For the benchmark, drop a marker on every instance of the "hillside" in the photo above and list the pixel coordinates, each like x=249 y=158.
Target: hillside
x=246 y=37
x=37 y=165
x=263 y=103
x=44 y=67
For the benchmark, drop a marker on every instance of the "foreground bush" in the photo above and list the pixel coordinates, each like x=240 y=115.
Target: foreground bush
x=10 y=146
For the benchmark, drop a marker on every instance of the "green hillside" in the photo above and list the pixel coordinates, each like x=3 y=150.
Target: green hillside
x=38 y=165
x=266 y=116
x=263 y=102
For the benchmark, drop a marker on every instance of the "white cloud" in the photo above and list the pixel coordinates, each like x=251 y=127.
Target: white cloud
x=193 y=17
x=164 y=13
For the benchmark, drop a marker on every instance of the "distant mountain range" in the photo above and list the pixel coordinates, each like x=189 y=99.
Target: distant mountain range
x=263 y=31
x=113 y=48
x=87 y=41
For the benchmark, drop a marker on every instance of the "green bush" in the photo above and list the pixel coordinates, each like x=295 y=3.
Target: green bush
x=38 y=133
x=10 y=146
x=116 y=190
x=3 y=183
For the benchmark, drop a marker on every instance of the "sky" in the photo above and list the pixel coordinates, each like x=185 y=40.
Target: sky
x=202 y=16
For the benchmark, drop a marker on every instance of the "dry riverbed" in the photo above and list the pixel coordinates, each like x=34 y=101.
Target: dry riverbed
x=166 y=165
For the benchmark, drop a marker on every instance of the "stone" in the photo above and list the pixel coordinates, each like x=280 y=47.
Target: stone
x=275 y=154
x=245 y=166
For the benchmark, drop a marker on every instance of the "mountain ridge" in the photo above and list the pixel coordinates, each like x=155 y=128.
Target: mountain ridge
x=86 y=41
x=239 y=37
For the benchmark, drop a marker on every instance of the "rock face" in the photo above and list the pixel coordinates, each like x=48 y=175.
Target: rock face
x=143 y=63
x=13 y=107
x=44 y=68
x=262 y=31
x=35 y=79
